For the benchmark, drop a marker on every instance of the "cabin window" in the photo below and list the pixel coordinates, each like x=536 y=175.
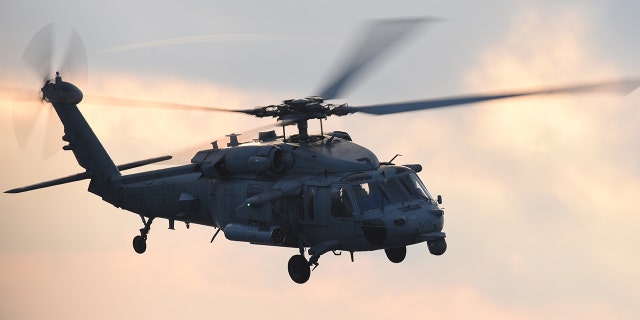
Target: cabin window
x=341 y=205
x=311 y=211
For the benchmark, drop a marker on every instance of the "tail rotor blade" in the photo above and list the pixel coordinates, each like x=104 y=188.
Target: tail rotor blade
x=25 y=117
x=27 y=111
x=39 y=52
x=52 y=134
x=75 y=65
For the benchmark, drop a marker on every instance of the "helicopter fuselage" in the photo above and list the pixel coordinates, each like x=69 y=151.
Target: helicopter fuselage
x=326 y=191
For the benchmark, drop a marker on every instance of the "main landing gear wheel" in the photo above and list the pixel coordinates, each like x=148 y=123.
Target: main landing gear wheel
x=140 y=244
x=299 y=269
x=396 y=255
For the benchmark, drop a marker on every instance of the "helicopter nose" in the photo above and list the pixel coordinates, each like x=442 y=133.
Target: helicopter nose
x=400 y=228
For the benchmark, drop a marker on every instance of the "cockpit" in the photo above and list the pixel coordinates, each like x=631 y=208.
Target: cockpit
x=361 y=192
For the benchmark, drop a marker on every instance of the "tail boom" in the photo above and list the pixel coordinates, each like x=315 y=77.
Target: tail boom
x=85 y=145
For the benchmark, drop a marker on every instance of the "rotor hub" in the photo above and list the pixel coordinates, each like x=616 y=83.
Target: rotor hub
x=61 y=92
x=292 y=111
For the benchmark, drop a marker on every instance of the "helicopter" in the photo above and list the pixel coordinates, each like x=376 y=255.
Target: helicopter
x=311 y=192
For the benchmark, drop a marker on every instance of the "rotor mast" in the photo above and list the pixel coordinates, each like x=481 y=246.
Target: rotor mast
x=303 y=126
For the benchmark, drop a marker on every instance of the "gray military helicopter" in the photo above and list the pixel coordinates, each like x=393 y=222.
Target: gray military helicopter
x=313 y=192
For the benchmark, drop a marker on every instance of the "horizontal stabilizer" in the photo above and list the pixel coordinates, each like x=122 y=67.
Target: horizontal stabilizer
x=84 y=175
x=51 y=183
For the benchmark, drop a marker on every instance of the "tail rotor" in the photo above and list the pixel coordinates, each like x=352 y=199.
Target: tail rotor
x=35 y=122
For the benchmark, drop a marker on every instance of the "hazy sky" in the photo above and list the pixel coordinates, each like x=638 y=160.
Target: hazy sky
x=540 y=195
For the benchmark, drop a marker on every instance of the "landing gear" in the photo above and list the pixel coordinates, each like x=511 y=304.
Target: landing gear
x=299 y=269
x=140 y=242
x=437 y=247
x=396 y=255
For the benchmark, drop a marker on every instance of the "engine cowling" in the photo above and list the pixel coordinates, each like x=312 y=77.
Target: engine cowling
x=219 y=163
x=255 y=159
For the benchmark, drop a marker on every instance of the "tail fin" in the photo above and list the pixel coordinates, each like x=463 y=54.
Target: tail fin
x=86 y=147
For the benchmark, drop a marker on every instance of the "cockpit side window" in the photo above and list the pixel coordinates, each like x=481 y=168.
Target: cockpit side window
x=368 y=196
x=341 y=205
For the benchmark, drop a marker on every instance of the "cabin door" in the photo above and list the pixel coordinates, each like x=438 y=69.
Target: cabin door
x=344 y=218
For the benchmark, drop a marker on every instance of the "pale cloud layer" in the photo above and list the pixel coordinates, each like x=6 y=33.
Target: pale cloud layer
x=540 y=195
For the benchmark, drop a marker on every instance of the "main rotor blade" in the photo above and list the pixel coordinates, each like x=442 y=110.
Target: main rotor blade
x=126 y=102
x=619 y=86
x=39 y=52
x=211 y=38
x=380 y=37
x=185 y=155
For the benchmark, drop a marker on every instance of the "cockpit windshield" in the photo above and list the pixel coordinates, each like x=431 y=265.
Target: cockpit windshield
x=414 y=186
x=375 y=192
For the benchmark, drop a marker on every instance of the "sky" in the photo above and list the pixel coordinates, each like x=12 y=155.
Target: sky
x=540 y=194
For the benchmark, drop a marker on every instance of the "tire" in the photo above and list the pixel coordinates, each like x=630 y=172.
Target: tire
x=396 y=255
x=139 y=244
x=299 y=269
x=437 y=247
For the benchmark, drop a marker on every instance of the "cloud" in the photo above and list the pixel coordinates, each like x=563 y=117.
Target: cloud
x=547 y=165
x=532 y=186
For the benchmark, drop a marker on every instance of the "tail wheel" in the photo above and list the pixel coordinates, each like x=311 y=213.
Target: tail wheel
x=396 y=255
x=299 y=269
x=139 y=244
